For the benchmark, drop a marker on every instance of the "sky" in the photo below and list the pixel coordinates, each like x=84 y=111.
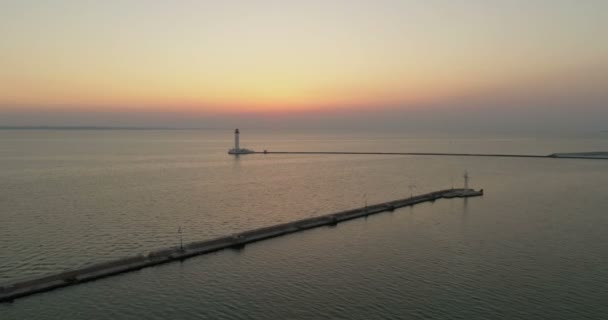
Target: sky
x=463 y=63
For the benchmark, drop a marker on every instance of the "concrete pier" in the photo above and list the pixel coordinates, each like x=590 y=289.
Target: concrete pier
x=11 y=291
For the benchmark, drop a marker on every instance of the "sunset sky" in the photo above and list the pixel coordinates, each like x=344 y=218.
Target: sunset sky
x=63 y=61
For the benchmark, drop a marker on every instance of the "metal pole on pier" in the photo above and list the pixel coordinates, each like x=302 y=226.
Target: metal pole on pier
x=466 y=179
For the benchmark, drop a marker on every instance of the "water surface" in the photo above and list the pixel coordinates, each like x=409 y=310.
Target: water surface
x=533 y=247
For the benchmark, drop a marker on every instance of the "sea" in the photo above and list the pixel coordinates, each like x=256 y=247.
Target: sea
x=535 y=246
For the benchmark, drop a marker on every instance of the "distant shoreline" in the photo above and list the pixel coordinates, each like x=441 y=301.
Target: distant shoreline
x=98 y=128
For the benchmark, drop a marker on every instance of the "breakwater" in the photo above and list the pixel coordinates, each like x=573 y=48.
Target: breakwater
x=589 y=156
x=11 y=291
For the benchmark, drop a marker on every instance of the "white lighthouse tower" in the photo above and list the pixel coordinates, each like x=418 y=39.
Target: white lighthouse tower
x=237 y=148
x=236 y=139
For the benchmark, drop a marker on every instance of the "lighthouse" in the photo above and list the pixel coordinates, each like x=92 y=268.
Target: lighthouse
x=237 y=147
x=236 y=139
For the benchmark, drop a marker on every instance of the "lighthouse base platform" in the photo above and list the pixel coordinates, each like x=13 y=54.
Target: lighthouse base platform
x=240 y=151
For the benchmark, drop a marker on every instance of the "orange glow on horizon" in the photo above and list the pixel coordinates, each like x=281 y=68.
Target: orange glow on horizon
x=247 y=93
x=224 y=57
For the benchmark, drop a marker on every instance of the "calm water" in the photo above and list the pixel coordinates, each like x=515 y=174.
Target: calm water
x=535 y=246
